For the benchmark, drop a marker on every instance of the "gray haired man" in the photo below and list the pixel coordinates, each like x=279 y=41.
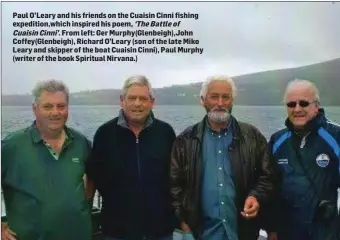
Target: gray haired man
x=307 y=155
x=42 y=172
x=130 y=165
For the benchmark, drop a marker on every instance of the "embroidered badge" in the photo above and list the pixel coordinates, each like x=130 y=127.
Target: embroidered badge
x=322 y=160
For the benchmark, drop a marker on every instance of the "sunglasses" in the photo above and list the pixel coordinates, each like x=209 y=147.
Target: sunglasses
x=302 y=103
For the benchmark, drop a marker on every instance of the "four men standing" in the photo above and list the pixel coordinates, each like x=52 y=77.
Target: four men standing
x=214 y=180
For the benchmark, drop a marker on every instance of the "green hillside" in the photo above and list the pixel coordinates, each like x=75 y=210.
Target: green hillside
x=262 y=88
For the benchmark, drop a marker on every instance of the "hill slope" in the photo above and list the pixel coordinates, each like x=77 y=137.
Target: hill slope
x=262 y=88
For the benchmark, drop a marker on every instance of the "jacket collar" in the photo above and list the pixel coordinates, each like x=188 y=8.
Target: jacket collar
x=198 y=130
x=123 y=122
x=36 y=137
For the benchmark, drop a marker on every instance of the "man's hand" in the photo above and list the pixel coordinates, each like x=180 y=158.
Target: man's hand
x=7 y=233
x=272 y=236
x=185 y=227
x=251 y=208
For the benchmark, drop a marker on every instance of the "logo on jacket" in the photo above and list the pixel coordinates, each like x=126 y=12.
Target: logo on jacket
x=282 y=161
x=322 y=160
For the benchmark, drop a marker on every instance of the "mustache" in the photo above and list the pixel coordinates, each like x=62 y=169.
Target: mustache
x=219 y=109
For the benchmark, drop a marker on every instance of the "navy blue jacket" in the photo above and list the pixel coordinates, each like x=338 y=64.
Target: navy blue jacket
x=132 y=176
x=308 y=173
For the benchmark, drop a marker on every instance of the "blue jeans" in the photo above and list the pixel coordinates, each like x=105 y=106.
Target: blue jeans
x=170 y=237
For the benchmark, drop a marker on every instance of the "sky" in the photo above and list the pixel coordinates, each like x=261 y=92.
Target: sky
x=237 y=38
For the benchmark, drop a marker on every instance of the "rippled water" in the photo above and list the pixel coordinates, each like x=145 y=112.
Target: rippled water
x=88 y=118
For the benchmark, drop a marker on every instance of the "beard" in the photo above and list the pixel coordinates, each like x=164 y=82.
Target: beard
x=219 y=115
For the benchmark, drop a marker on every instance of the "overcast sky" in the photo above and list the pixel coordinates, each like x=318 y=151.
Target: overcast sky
x=237 y=37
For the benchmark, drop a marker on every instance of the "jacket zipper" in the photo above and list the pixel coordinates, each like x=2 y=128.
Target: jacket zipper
x=138 y=159
x=303 y=141
x=140 y=184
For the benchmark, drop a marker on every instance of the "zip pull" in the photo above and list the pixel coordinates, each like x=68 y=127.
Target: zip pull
x=137 y=140
x=303 y=142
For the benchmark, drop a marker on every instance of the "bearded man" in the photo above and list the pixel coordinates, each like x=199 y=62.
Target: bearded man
x=220 y=170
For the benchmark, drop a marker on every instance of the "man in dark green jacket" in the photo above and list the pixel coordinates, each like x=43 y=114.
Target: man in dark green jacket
x=42 y=173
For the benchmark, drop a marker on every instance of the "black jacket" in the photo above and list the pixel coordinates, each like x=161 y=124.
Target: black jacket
x=253 y=173
x=131 y=175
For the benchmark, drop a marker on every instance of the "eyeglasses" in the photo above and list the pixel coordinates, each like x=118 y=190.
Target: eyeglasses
x=302 y=103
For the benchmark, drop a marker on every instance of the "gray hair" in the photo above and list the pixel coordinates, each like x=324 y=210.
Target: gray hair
x=308 y=84
x=49 y=86
x=137 y=80
x=222 y=78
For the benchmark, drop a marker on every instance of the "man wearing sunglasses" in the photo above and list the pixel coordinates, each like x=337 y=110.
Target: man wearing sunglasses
x=307 y=156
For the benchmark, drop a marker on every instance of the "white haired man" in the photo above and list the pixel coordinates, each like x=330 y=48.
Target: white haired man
x=220 y=171
x=307 y=155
